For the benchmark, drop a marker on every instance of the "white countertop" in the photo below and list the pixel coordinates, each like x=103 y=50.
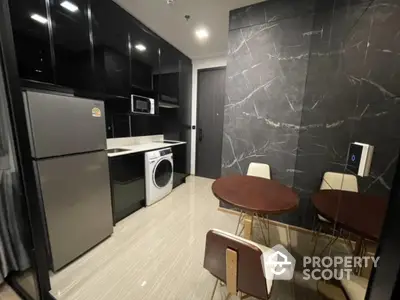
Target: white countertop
x=144 y=147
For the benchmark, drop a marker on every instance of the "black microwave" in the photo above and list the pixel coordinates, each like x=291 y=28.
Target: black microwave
x=144 y=105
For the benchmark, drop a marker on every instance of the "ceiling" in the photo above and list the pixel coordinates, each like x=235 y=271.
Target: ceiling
x=169 y=22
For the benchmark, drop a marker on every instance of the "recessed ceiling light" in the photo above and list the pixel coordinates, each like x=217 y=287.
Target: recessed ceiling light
x=39 y=18
x=202 y=33
x=70 y=6
x=140 y=47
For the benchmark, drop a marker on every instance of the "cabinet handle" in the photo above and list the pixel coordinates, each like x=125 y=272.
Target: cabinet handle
x=200 y=134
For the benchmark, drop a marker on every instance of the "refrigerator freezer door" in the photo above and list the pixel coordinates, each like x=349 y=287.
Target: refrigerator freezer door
x=62 y=125
x=77 y=203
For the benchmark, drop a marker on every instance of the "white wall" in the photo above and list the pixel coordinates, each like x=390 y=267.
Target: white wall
x=198 y=65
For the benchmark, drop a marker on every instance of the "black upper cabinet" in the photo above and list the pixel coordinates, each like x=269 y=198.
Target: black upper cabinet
x=31 y=38
x=145 y=57
x=72 y=47
x=168 y=77
x=120 y=125
x=111 y=28
x=94 y=46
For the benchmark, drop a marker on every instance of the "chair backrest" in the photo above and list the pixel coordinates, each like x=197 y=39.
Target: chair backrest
x=250 y=277
x=339 y=181
x=259 y=170
x=355 y=288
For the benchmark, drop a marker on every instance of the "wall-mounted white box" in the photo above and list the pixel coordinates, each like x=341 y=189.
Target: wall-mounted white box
x=360 y=158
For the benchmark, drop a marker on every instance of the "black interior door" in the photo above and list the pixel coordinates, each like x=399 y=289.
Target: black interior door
x=210 y=119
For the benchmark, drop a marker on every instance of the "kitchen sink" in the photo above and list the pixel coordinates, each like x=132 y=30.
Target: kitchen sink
x=116 y=150
x=170 y=142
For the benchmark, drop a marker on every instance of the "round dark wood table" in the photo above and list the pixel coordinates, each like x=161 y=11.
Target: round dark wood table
x=358 y=213
x=255 y=197
x=255 y=194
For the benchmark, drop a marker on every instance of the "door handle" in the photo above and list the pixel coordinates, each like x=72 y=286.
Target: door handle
x=200 y=134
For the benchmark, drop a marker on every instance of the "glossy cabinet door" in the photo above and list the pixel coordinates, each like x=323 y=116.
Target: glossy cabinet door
x=71 y=40
x=31 y=37
x=121 y=125
x=168 y=78
x=110 y=25
x=145 y=125
x=127 y=173
x=180 y=166
x=145 y=57
x=185 y=103
x=117 y=120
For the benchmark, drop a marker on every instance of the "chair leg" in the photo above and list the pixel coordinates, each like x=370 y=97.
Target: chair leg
x=269 y=235
x=330 y=244
x=362 y=254
x=262 y=231
x=215 y=288
x=348 y=242
x=239 y=221
x=316 y=236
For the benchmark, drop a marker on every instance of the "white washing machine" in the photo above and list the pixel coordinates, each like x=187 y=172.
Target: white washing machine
x=159 y=174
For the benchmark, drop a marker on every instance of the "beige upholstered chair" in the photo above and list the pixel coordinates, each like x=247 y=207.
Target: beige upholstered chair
x=338 y=181
x=334 y=181
x=355 y=288
x=236 y=262
x=259 y=170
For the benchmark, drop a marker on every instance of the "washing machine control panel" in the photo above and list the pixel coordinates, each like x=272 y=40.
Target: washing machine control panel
x=156 y=154
x=165 y=152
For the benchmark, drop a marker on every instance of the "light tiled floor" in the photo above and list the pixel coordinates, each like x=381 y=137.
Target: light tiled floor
x=157 y=253
x=7 y=293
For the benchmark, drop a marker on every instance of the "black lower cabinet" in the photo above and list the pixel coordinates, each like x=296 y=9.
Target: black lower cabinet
x=181 y=170
x=127 y=175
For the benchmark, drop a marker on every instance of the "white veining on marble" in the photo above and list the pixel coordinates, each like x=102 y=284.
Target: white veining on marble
x=380 y=176
x=263 y=86
x=314 y=32
x=369 y=39
x=387 y=94
x=252 y=35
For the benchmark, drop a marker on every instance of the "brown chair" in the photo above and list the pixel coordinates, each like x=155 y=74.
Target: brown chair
x=237 y=263
x=333 y=181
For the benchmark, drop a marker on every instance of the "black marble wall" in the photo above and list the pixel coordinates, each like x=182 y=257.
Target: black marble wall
x=304 y=80
x=266 y=75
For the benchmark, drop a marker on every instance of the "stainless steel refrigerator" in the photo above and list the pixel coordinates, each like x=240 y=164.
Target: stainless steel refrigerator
x=68 y=141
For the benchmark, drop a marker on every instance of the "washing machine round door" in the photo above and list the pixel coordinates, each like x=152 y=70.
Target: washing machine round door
x=162 y=173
